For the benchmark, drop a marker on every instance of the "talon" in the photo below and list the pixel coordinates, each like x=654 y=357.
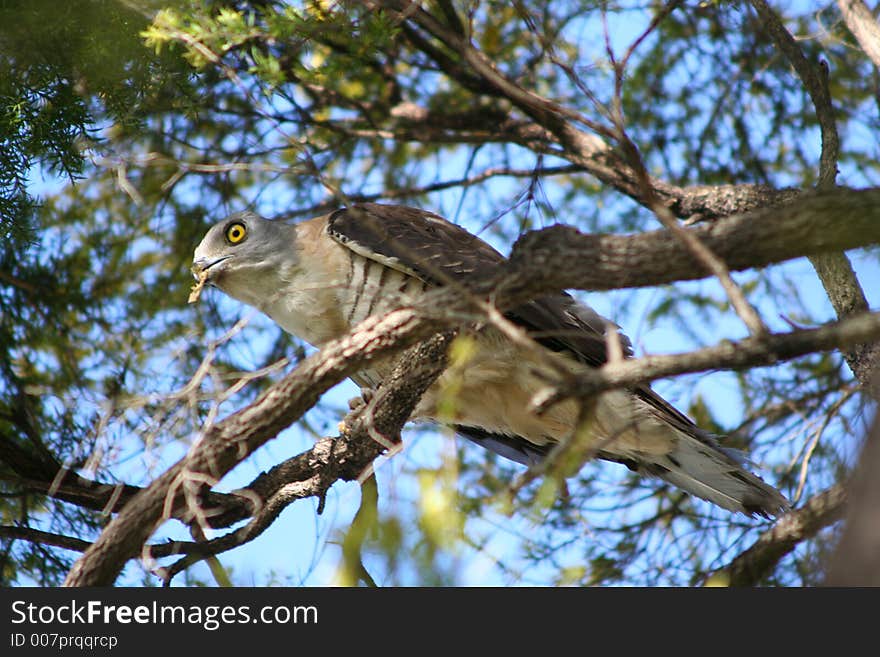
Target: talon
x=367 y=395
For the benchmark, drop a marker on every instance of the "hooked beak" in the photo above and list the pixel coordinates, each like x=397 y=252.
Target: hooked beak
x=201 y=265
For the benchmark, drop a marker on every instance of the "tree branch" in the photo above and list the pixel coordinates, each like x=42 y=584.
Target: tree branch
x=834 y=269
x=815 y=79
x=229 y=442
x=750 y=566
x=44 y=538
x=766 y=349
x=224 y=445
x=60 y=483
x=369 y=430
x=77 y=544
x=474 y=71
x=847 y=298
x=561 y=257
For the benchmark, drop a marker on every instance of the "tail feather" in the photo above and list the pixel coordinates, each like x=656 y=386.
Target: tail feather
x=703 y=469
x=696 y=463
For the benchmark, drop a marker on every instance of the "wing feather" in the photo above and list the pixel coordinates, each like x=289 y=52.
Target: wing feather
x=437 y=251
x=427 y=246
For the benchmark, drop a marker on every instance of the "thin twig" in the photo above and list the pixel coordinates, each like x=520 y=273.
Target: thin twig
x=703 y=254
x=817 y=436
x=815 y=80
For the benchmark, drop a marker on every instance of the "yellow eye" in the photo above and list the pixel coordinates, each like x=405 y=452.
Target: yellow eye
x=235 y=233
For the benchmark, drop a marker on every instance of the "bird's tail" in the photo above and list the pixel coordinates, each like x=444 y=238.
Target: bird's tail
x=702 y=468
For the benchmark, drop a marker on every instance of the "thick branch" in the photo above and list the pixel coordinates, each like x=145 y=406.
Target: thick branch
x=847 y=298
x=562 y=257
x=227 y=443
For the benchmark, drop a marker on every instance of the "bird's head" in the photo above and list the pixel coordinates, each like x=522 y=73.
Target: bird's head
x=238 y=251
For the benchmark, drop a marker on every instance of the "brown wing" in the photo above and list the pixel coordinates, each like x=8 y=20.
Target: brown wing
x=438 y=251
x=414 y=241
x=427 y=246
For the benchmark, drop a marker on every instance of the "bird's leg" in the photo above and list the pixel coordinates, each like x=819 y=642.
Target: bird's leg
x=356 y=406
x=367 y=394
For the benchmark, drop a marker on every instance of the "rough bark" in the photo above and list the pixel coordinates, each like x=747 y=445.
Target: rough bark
x=817 y=223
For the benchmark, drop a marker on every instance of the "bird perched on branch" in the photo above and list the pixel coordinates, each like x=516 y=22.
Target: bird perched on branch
x=319 y=278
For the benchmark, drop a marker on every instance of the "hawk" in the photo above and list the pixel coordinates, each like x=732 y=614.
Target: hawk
x=319 y=278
